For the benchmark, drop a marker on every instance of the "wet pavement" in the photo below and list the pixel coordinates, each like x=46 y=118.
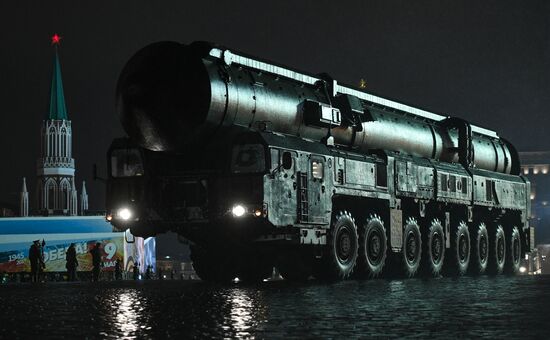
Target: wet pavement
x=492 y=307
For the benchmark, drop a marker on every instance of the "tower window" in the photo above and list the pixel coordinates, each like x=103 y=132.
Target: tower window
x=50 y=195
x=63 y=142
x=64 y=199
x=51 y=142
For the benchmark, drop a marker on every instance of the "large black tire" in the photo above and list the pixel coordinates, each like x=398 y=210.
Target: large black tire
x=373 y=247
x=434 y=245
x=480 y=249
x=459 y=258
x=497 y=250
x=513 y=259
x=412 y=248
x=341 y=251
x=211 y=266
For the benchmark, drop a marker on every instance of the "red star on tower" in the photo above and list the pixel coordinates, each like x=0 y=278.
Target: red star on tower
x=56 y=39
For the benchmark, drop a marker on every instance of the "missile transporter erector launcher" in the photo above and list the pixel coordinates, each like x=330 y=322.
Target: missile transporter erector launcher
x=261 y=166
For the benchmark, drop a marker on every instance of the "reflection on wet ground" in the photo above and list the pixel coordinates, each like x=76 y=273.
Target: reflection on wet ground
x=493 y=307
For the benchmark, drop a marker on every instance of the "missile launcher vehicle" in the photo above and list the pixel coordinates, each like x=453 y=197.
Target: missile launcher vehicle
x=259 y=165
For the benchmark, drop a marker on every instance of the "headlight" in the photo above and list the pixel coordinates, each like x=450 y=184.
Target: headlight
x=522 y=269
x=238 y=210
x=124 y=213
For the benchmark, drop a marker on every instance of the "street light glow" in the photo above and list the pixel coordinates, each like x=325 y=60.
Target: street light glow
x=522 y=269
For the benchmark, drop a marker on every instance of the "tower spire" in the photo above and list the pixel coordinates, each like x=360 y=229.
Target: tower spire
x=58 y=110
x=24 y=203
x=73 y=206
x=83 y=199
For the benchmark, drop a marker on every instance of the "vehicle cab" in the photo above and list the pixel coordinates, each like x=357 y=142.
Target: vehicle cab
x=126 y=183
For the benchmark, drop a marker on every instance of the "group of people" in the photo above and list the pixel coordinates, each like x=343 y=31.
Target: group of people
x=36 y=258
x=149 y=273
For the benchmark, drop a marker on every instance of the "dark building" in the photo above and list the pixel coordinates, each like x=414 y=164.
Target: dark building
x=535 y=165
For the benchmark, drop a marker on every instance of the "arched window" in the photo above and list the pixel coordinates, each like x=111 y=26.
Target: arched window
x=69 y=145
x=51 y=142
x=63 y=142
x=64 y=199
x=50 y=194
x=68 y=142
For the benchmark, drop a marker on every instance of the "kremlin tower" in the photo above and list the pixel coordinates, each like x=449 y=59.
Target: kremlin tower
x=56 y=189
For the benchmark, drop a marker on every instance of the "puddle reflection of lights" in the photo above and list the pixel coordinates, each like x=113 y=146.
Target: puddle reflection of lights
x=128 y=314
x=241 y=312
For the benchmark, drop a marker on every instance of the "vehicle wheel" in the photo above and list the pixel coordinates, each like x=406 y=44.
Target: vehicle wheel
x=341 y=250
x=373 y=246
x=497 y=251
x=460 y=250
x=435 y=249
x=211 y=267
x=514 y=252
x=480 y=249
x=412 y=248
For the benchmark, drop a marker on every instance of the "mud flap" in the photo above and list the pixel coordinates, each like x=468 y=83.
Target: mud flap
x=396 y=229
x=447 y=230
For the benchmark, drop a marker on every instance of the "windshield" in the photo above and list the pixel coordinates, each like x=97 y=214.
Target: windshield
x=126 y=163
x=248 y=158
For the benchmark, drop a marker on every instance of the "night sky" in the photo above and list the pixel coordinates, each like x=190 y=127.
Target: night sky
x=485 y=61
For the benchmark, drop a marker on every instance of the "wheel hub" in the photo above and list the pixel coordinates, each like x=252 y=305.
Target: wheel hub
x=483 y=245
x=436 y=247
x=344 y=245
x=516 y=250
x=500 y=249
x=411 y=247
x=374 y=247
x=462 y=248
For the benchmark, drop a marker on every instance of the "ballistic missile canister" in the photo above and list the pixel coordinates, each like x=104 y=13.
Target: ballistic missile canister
x=171 y=95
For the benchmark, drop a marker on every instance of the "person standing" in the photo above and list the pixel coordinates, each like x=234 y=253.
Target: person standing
x=136 y=271
x=118 y=270
x=148 y=273
x=34 y=257
x=42 y=264
x=96 y=261
x=72 y=263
